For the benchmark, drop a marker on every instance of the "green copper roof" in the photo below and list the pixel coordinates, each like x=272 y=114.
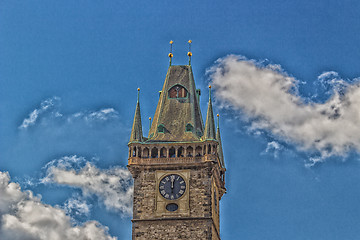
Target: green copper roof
x=209 y=125
x=177 y=119
x=136 y=132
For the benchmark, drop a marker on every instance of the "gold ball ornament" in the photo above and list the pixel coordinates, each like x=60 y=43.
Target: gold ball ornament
x=189 y=54
x=138 y=89
x=170 y=55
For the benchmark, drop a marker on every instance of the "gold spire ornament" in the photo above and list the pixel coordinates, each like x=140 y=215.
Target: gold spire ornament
x=189 y=52
x=170 y=53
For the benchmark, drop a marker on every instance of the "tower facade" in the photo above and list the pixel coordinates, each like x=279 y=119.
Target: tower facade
x=178 y=170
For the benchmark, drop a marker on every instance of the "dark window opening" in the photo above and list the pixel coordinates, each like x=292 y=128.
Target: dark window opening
x=154 y=153
x=161 y=128
x=189 y=152
x=198 y=151
x=172 y=152
x=163 y=152
x=180 y=152
x=189 y=127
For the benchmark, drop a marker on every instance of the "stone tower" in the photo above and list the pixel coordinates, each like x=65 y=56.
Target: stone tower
x=178 y=170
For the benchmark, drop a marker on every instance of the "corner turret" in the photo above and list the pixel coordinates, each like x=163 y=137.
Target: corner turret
x=136 y=131
x=209 y=133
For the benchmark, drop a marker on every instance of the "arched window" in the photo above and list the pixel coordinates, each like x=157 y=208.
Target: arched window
x=189 y=151
x=154 y=152
x=180 y=152
x=163 y=152
x=172 y=152
x=178 y=91
x=198 y=151
x=134 y=152
x=146 y=152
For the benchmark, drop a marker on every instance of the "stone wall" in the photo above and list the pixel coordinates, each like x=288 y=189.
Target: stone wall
x=198 y=225
x=173 y=229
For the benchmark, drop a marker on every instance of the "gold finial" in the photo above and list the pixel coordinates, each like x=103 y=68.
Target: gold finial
x=138 y=96
x=150 y=118
x=209 y=86
x=138 y=89
x=170 y=54
x=217 y=115
x=189 y=52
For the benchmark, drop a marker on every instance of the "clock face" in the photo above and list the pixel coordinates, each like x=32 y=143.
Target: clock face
x=172 y=186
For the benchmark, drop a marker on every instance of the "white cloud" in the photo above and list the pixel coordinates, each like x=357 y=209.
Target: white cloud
x=77 y=206
x=274 y=148
x=24 y=216
x=49 y=110
x=113 y=186
x=100 y=115
x=269 y=99
x=45 y=105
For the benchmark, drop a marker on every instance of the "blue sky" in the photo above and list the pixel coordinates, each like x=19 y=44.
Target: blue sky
x=286 y=86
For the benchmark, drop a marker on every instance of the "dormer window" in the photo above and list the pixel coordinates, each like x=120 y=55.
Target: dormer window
x=161 y=128
x=189 y=127
x=178 y=91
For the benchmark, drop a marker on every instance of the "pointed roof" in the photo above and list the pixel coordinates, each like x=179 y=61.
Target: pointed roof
x=219 y=149
x=136 y=131
x=177 y=117
x=209 y=125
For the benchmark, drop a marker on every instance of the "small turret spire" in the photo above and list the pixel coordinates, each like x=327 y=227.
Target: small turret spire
x=189 y=52
x=209 y=125
x=219 y=149
x=136 y=131
x=170 y=53
x=149 y=125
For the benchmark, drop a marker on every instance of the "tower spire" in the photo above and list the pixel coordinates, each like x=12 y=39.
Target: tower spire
x=136 y=131
x=209 y=125
x=219 y=149
x=170 y=53
x=189 y=52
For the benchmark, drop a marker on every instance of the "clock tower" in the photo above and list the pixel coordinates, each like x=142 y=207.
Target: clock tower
x=178 y=170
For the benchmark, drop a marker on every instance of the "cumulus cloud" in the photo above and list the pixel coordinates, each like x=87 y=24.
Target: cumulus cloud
x=45 y=106
x=113 y=186
x=49 y=109
x=268 y=97
x=24 y=216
